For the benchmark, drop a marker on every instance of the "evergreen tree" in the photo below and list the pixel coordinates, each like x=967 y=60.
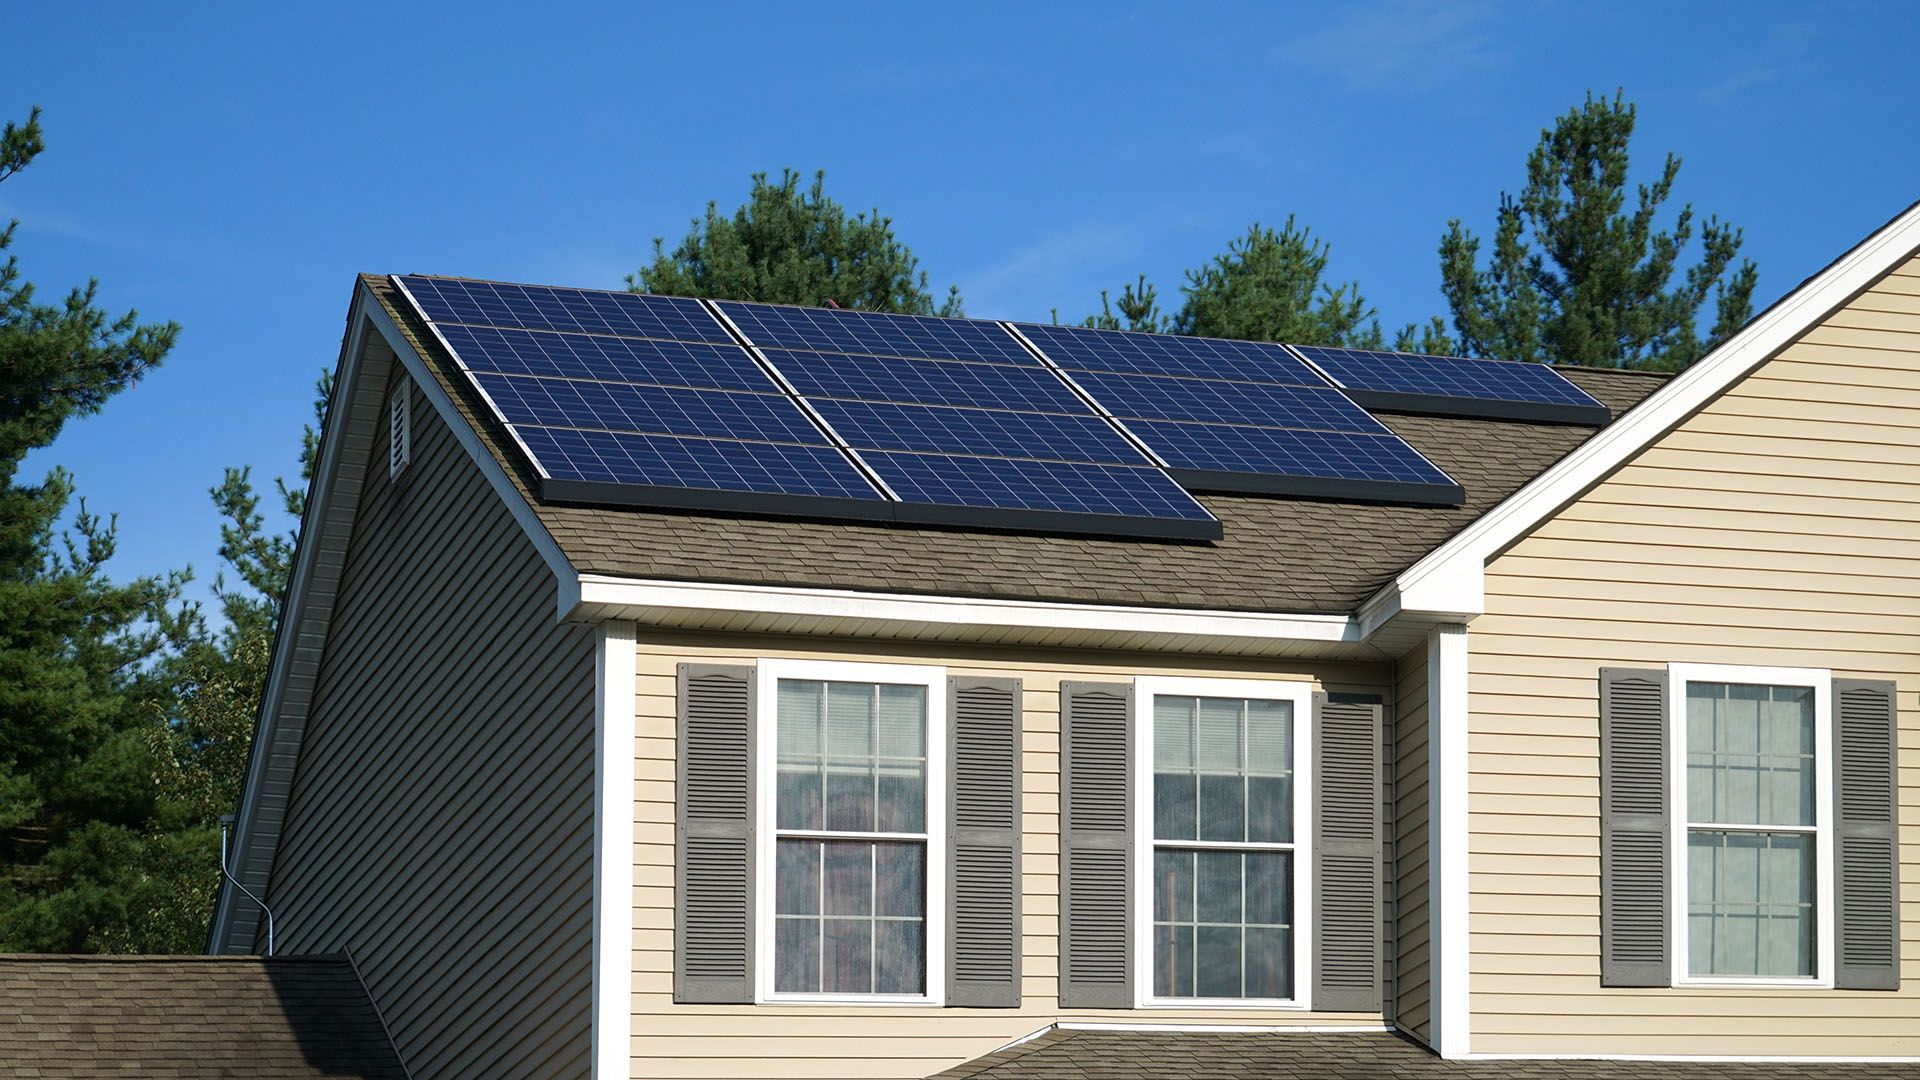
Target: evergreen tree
x=1578 y=277
x=789 y=246
x=1139 y=310
x=87 y=839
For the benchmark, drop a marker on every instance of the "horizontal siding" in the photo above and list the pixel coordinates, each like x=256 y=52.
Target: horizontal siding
x=1412 y=998
x=863 y=1041
x=1776 y=526
x=440 y=825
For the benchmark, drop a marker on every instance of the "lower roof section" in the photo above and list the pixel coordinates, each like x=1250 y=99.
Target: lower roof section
x=1064 y=1053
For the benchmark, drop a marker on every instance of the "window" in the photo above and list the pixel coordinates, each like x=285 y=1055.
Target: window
x=851 y=832
x=1753 y=888
x=1221 y=803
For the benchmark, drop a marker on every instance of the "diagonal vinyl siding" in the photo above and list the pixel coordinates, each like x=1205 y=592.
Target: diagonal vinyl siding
x=440 y=825
x=1776 y=526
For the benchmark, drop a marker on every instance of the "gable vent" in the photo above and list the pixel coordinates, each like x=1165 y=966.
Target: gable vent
x=399 y=430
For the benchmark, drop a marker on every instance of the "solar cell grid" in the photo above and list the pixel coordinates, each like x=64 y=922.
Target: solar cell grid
x=1045 y=486
x=1127 y=352
x=649 y=409
x=609 y=359
x=925 y=382
x=991 y=433
x=1159 y=397
x=1447 y=376
x=1331 y=455
x=540 y=307
x=874 y=334
x=613 y=457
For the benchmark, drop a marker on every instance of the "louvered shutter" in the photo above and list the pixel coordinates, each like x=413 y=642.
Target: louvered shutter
x=1633 y=828
x=1096 y=845
x=713 y=865
x=1867 y=834
x=983 y=843
x=1346 y=852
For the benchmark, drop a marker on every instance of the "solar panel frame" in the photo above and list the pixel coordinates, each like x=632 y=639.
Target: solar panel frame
x=1057 y=495
x=465 y=301
x=941 y=429
x=1456 y=386
x=1127 y=352
x=1350 y=466
x=1167 y=397
x=872 y=333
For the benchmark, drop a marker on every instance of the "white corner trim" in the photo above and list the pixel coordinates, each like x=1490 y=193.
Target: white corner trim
x=617 y=665
x=566 y=579
x=619 y=594
x=1449 y=960
x=1446 y=580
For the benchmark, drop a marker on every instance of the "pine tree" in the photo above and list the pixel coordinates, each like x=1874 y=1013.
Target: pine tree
x=1578 y=277
x=788 y=246
x=87 y=843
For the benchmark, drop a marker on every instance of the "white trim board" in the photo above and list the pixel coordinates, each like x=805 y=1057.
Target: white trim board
x=1448 y=898
x=614 y=792
x=1448 y=581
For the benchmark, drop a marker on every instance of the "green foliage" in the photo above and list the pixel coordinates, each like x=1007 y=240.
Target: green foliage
x=1139 y=309
x=1576 y=276
x=88 y=837
x=789 y=246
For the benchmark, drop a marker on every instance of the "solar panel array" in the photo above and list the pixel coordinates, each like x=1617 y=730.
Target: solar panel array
x=1456 y=386
x=762 y=408
x=957 y=413
x=1242 y=416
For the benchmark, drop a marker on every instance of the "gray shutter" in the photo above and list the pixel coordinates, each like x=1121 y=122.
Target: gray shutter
x=713 y=864
x=1096 y=845
x=1346 y=856
x=983 y=843
x=1867 y=856
x=1633 y=828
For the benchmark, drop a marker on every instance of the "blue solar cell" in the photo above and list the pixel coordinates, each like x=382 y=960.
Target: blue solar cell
x=610 y=359
x=1270 y=451
x=874 y=334
x=1447 y=376
x=658 y=410
x=926 y=382
x=1058 y=486
x=538 y=307
x=1163 y=397
x=612 y=457
x=993 y=433
x=1169 y=354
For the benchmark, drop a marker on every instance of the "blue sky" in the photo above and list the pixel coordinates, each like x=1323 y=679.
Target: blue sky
x=231 y=169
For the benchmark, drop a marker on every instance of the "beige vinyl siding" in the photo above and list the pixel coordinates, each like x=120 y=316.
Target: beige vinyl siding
x=441 y=821
x=1774 y=527
x=1411 y=1008
x=864 y=1041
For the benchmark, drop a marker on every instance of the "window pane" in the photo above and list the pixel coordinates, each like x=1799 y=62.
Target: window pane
x=1270 y=737
x=1173 y=961
x=849 y=878
x=1217 y=735
x=847 y=950
x=1269 y=963
x=1750 y=754
x=1173 y=886
x=796 y=955
x=903 y=798
x=900 y=887
x=797 y=803
x=898 y=957
x=1270 y=888
x=1223 y=808
x=850 y=797
x=1218 y=961
x=1750 y=903
x=799 y=719
x=1173 y=809
x=1218 y=886
x=796 y=876
x=849 y=720
x=1269 y=809
x=903 y=721
x=1173 y=732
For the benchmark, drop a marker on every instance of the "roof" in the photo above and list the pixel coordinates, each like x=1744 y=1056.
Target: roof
x=1279 y=554
x=201 y=1016
x=1079 y=1054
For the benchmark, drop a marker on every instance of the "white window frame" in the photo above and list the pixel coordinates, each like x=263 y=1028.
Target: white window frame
x=1300 y=694
x=766 y=750
x=1820 y=681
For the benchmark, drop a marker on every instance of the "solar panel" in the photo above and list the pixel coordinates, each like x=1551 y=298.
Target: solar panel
x=540 y=307
x=1158 y=397
x=611 y=359
x=938 y=481
x=660 y=410
x=1128 y=352
x=925 y=382
x=874 y=334
x=635 y=460
x=982 y=432
x=1224 y=455
x=1457 y=386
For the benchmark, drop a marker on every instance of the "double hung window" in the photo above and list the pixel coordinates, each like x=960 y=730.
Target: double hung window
x=1752 y=760
x=851 y=831
x=1222 y=805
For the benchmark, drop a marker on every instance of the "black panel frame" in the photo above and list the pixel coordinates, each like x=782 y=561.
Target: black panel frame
x=1533 y=412
x=1319 y=487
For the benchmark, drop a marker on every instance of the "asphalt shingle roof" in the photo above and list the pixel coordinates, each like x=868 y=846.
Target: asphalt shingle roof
x=1281 y=555
x=1064 y=1054
x=284 y=1018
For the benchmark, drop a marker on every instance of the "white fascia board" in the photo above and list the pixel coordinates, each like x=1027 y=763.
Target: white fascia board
x=606 y=595
x=1447 y=582
x=566 y=580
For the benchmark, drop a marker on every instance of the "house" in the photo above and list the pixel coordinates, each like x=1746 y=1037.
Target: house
x=1575 y=722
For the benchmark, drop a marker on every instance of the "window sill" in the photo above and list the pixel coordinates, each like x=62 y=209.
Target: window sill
x=1224 y=1004
x=1735 y=982
x=869 y=1000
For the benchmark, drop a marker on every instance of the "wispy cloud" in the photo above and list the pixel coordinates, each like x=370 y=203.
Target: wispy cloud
x=1055 y=264
x=1400 y=45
